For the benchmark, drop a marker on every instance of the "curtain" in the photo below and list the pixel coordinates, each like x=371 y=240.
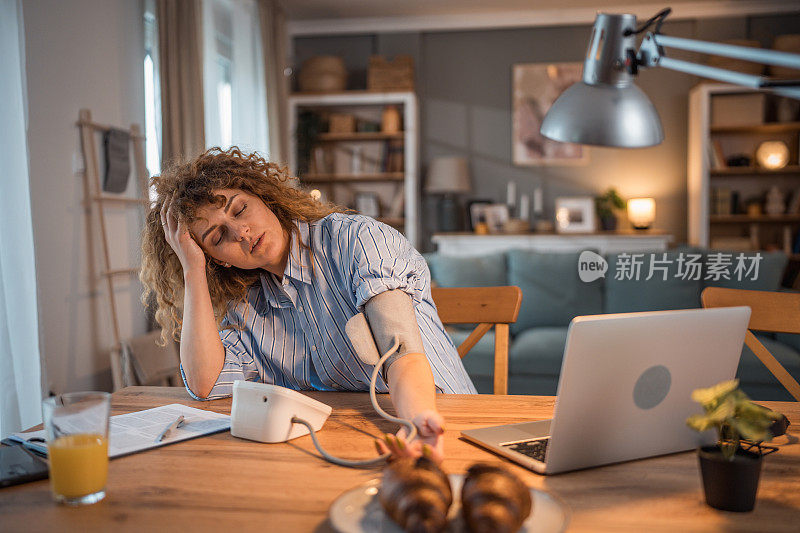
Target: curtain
x=233 y=76
x=181 y=69
x=273 y=38
x=20 y=360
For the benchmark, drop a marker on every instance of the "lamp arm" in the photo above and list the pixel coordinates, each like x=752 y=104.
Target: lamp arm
x=756 y=55
x=651 y=54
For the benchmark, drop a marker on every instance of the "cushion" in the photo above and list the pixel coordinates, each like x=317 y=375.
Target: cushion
x=468 y=271
x=538 y=351
x=672 y=284
x=552 y=292
x=757 y=381
x=790 y=339
x=479 y=361
x=767 y=278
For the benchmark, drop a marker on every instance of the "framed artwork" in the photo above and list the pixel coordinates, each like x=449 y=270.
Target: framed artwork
x=535 y=86
x=367 y=204
x=575 y=214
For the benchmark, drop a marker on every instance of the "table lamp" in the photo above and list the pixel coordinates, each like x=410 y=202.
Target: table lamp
x=448 y=176
x=641 y=212
x=605 y=108
x=772 y=155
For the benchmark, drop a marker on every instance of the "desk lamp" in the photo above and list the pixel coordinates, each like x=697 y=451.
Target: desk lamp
x=607 y=109
x=448 y=176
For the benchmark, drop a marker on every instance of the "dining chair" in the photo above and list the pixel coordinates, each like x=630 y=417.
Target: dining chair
x=151 y=363
x=777 y=312
x=488 y=307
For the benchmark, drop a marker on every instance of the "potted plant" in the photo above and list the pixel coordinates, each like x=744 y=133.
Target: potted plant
x=309 y=126
x=605 y=204
x=730 y=470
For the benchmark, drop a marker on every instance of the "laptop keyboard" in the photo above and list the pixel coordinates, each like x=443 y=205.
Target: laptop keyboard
x=535 y=449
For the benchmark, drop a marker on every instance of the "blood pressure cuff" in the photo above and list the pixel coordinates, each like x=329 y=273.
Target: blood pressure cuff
x=390 y=314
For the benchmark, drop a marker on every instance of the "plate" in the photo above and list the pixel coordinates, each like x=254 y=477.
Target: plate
x=359 y=510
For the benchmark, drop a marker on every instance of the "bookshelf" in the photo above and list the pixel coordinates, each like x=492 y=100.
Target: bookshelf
x=719 y=194
x=346 y=164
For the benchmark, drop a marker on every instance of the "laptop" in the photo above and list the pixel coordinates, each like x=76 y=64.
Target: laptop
x=625 y=389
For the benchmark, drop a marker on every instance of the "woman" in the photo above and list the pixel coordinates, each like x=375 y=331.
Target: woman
x=256 y=279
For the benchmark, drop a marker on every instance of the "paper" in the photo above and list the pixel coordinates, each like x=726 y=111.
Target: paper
x=134 y=432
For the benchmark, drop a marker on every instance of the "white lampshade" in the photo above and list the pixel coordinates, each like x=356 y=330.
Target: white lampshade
x=448 y=175
x=641 y=212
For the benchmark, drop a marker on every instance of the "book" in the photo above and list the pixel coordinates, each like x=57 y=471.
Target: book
x=137 y=431
x=718 y=156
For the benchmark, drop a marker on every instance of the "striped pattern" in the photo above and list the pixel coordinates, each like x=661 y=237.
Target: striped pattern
x=292 y=331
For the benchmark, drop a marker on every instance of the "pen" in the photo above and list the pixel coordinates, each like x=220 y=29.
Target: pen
x=178 y=422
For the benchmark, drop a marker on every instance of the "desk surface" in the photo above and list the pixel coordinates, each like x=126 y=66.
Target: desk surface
x=221 y=481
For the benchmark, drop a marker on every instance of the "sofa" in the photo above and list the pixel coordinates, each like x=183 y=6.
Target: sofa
x=553 y=294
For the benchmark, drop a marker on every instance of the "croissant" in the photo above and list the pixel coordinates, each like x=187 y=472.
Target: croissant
x=494 y=500
x=416 y=494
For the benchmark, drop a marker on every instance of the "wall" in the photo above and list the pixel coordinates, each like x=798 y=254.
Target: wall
x=464 y=85
x=80 y=54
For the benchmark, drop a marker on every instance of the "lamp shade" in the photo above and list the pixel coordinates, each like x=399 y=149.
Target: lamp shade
x=772 y=154
x=448 y=175
x=603 y=115
x=605 y=108
x=641 y=212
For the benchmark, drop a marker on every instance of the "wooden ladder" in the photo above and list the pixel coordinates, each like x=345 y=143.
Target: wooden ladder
x=120 y=362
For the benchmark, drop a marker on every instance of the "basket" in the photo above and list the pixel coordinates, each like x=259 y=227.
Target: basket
x=322 y=74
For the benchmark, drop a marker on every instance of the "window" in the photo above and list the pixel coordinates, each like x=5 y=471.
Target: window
x=233 y=76
x=152 y=91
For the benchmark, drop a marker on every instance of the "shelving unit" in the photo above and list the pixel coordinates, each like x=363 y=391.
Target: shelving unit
x=788 y=170
x=341 y=187
x=762 y=230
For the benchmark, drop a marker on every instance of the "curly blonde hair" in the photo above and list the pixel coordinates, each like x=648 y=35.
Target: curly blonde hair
x=192 y=185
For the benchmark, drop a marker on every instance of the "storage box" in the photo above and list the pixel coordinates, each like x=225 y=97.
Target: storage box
x=341 y=123
x=396 y=75
x=737 y=109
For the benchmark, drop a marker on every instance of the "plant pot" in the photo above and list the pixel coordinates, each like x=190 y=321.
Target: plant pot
x=730 y=485
x=608 y=222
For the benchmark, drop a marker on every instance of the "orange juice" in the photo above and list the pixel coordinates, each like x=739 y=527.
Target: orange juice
x=78 y=464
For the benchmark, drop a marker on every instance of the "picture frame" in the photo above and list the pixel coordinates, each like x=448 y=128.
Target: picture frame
x=535 y=86
x=575 y=214
x=476 y=211
x=496 y=217
x=368 y=204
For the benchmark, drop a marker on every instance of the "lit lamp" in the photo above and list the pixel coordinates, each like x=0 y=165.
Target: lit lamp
x=641 y=212
x=448 y=176
x=605 y=108
x=772 y=154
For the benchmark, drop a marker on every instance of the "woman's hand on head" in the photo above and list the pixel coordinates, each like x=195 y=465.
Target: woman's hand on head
x=180 y=239
x=429 y=441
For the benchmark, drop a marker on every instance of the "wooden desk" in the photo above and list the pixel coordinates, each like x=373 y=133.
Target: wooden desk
x=223 y=482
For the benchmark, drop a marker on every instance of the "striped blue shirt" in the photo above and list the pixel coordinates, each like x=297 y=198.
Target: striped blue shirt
x=292 y=331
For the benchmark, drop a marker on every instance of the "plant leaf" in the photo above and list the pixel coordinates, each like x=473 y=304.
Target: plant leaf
x=714 y=394
x=699 y=422
x=726 y=409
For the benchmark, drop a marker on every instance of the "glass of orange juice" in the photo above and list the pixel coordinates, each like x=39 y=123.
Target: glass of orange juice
x=77 y=445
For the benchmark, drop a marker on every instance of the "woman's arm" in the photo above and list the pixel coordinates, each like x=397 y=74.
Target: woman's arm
x=411 y=385
x=201 y=351
x=413 y=394
x=202 y=354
